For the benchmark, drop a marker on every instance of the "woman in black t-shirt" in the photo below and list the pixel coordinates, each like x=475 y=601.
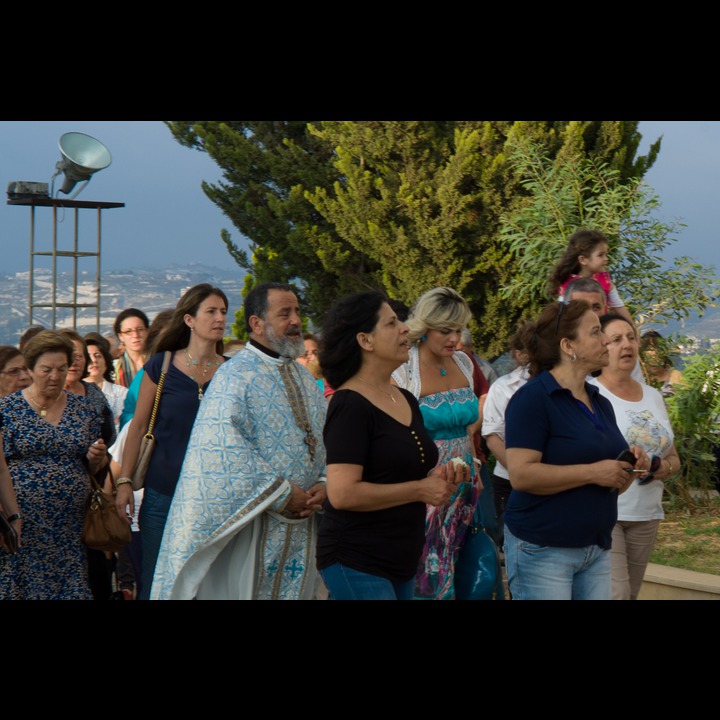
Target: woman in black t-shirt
x=381 y=462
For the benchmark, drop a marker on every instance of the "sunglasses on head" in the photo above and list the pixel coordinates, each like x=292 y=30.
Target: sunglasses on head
x=562 y=304
x=655 y=461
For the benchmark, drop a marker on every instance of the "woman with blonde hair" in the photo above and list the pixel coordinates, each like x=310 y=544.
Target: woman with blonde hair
x=194 y=337
x=441 y=378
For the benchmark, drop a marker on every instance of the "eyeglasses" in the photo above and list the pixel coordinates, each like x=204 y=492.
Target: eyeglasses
x=655 y=461
x=15 y=372
x=134 y=331
x=563 y=305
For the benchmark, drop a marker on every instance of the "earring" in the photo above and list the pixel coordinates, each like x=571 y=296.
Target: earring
x=423 y=338
x=574 y=357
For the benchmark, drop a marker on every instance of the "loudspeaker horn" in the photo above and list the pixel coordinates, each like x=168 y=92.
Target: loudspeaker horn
x=82 y=157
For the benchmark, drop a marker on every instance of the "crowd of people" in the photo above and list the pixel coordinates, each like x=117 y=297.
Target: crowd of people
x=352 y=462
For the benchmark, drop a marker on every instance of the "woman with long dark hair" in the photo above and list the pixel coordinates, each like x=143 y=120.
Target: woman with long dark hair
x=194 y=337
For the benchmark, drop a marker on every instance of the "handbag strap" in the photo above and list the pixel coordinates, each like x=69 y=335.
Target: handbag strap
x=158 y=391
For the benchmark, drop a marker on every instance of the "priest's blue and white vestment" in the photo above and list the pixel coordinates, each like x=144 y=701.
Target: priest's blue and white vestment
x=226 y=536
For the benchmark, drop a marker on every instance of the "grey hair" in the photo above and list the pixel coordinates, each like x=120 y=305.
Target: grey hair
x=582 y=284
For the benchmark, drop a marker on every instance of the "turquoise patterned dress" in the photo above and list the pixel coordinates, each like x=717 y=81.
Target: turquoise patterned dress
x=447 y=416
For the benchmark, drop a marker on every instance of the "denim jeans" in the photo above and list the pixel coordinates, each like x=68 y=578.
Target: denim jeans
x=539 y=572
x=151 y=520
x=344 y=583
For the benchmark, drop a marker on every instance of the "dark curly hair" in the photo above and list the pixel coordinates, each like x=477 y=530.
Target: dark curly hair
x=340 y=356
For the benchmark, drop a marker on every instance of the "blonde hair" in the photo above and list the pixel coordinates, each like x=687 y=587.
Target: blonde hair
x=441 y=308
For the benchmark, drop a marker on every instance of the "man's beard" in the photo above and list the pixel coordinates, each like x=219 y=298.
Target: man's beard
x=289 y=347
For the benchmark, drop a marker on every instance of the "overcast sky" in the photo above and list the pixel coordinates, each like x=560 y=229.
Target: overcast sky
x=167 y=217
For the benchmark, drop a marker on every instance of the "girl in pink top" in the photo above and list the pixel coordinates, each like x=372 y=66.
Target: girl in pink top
x=587 y=256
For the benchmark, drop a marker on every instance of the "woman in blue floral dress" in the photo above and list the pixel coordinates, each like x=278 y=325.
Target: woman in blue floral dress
x=442 y=380
x=50 y=438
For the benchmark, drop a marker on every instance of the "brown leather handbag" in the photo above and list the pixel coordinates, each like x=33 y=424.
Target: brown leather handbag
x=103 y=528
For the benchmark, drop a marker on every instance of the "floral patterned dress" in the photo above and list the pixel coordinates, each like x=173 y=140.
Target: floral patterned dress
x=52 y=488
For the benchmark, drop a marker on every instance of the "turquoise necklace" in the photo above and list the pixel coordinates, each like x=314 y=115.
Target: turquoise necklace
x=194 y=364
x=203 y=366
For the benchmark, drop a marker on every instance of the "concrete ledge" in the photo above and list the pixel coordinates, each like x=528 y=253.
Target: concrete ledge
x=667 y=583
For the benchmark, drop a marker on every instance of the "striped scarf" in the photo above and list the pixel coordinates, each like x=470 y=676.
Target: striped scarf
x=124 y=372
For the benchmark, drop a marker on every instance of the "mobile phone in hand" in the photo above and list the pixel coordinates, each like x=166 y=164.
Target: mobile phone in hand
x=627 y=456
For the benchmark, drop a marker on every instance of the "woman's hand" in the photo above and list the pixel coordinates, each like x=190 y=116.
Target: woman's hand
x=442 y=483
x=642 y=461
x=97 y=455
x=318 y=495
x=613 y=474
x=125 y=501
x=17 y=524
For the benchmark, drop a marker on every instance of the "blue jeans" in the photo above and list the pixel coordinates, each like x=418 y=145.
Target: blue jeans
x=151 y=520
x=539 y=572
x=344 y=583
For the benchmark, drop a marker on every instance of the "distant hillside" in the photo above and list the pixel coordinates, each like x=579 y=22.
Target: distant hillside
x=708 y=326
x=155 y=289
x=150 y=289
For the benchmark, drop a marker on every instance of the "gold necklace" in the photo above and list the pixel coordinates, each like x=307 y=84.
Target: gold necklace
x=44 y=408
x=389 y=394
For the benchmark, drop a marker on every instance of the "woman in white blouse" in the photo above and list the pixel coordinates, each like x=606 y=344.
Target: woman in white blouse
x=642 y=418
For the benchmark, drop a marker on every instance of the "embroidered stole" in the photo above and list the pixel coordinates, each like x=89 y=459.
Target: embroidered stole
x=297 y=403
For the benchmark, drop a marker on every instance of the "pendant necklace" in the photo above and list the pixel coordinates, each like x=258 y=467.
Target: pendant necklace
x=389 y=394
x=192 y=363
x=44 y=408
x=203 y=366
x=442 y=370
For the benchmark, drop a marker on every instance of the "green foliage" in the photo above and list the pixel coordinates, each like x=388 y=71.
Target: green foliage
x=580 y=191
x=400 y=206
x=694 y=411
x=239 y=327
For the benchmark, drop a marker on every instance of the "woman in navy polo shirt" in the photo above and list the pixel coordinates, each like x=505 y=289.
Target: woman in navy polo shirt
x=562 y=441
